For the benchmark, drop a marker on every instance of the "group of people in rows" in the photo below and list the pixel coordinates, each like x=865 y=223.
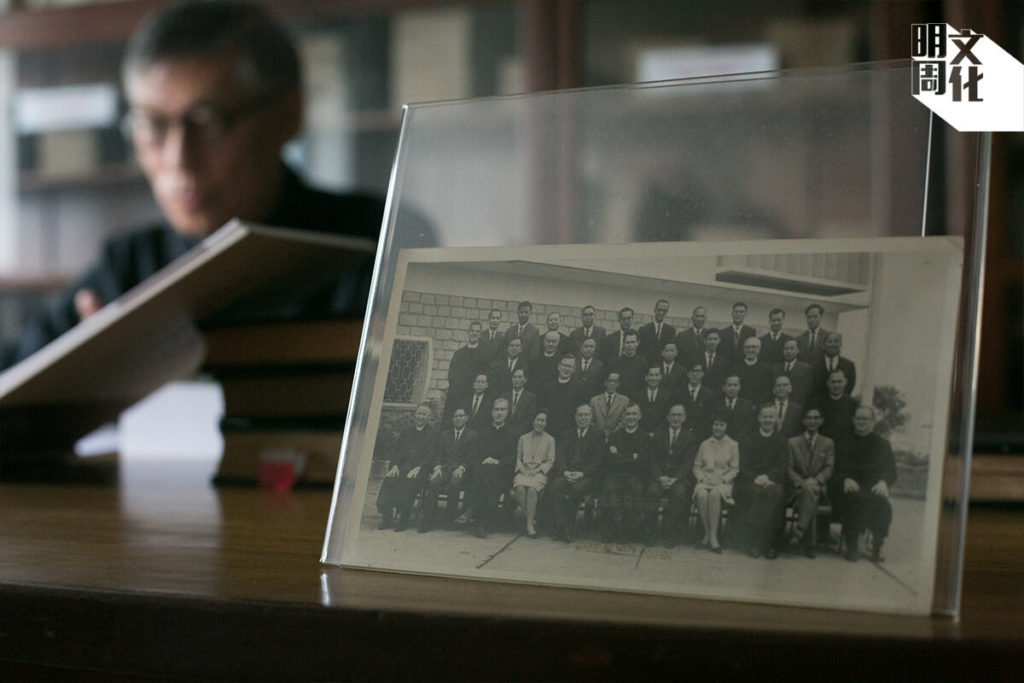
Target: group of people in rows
x=650 y=423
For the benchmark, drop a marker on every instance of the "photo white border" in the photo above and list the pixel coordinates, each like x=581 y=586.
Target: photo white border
x=939 y=344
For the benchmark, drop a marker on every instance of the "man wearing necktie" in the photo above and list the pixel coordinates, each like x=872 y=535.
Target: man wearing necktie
x=463 y=367
x=478 y=405
x=448 y=471
x=790 y=413
x=579 y=451
x=800 y=374
x=672 y=372
x=772 y=341
x=493 y=339
x=811 y=462
x=740 y=412
x=830 y=360
x=587 y=330
x=737 y=333
x=501 y=370
x=609 y=405
x=690 y=342
x=673 y=450
x=654 y=335
x=813 y=337
x=525 y=331
x=715 y=365
x=614 y=344
x=653 y=401
x=589 y=370
x=522 y=403
x=697 y=399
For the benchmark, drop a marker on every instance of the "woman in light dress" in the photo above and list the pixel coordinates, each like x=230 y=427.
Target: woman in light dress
x=535 y=456
x=715 y=467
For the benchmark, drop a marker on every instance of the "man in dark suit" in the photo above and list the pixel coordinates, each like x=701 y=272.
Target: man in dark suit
x=588 y=330
x=788 y=412
x=737 y=411
x=412 y=453
x=491 y=464
x=690 y=342
x=609 y=405
x=837 y=408
x=673 y=372
x=500 y=374
x=716 y=365
x=831 y=360
x=615 y=343
x=522 y=403
x=589 y=370
x=800 y=373
x=493 y=339
x=865 y=473
x=655 y=334
x=698 y=400
x=553 y=323
x=673 y=450
x=812 y=340
x=774 y=338
x=466 y=362
x=811 y=461
x=577 y=465
x=654 y=401
x=755 y=377
x=737 y=333
x=478 y=403
x=631 y=367
x=524 y=330
x=447 y=471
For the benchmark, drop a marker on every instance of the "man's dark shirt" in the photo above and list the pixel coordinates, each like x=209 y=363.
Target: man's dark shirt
x=866 y=459
x=128 y=259
x=760 y=454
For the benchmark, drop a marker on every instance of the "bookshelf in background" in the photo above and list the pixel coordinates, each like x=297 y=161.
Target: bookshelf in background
x=512 y=45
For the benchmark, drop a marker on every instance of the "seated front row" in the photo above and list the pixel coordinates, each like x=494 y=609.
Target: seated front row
x=646 y=483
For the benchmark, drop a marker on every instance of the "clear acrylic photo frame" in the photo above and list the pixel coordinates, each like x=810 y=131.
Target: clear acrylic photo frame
x=829 y=154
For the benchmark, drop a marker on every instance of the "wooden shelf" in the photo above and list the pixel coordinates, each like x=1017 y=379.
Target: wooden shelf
x=101 y=177
x=155 y=573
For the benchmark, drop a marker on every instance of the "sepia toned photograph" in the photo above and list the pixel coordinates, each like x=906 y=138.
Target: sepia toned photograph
x=758 y=421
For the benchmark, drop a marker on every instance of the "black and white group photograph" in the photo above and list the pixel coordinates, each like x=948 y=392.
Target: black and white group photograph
x=757 y=421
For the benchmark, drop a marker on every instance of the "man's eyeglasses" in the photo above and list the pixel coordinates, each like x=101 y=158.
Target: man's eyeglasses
x=205 y=124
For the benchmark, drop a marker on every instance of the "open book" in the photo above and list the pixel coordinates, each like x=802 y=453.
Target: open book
x=151 y=334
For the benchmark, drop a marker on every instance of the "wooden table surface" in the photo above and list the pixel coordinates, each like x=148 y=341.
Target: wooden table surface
x=156 y=573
